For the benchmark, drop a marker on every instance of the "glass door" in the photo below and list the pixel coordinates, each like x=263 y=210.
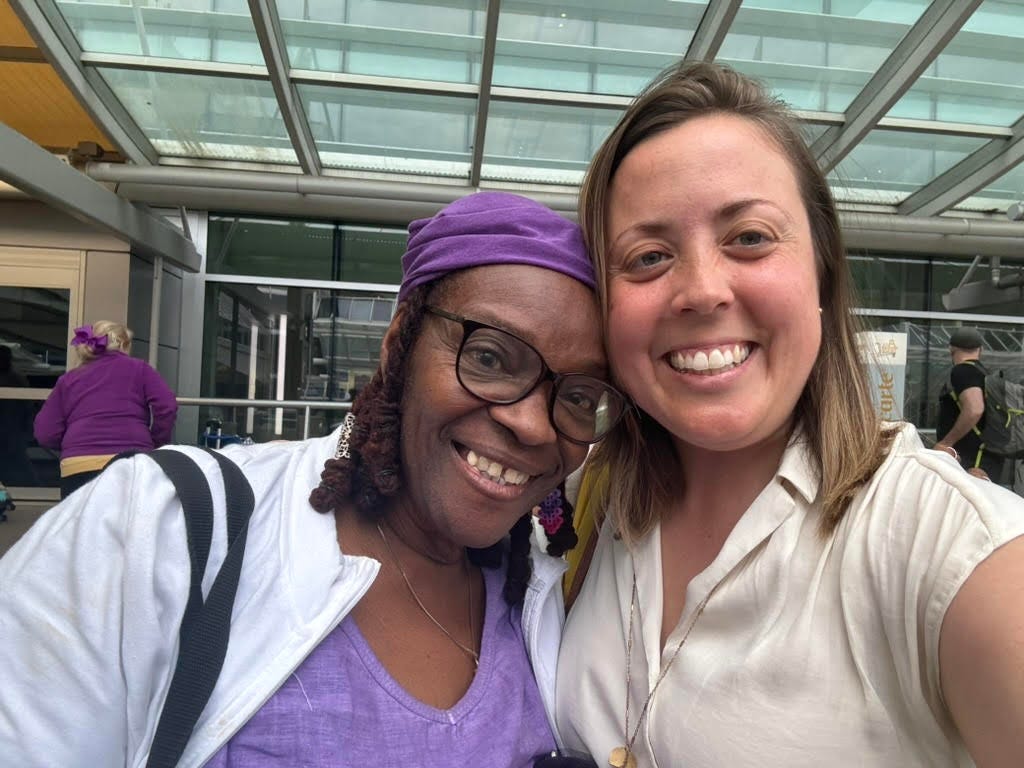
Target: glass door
x=40 y=302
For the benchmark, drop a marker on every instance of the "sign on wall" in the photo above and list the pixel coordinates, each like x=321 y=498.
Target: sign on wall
x=885 y=354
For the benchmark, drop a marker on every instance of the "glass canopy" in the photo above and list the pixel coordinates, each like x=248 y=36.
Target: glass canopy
x=444 y=90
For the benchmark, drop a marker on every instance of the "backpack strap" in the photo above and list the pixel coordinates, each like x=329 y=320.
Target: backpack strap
x=206 y=625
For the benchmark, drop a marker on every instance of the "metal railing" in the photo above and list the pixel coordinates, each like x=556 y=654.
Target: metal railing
x=306 y=406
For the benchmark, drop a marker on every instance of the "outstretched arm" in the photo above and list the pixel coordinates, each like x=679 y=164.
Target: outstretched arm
x=981 y=659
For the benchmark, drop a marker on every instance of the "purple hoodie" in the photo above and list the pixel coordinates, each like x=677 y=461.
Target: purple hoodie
x=104 y=407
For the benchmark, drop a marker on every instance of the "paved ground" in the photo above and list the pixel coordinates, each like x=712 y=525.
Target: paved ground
x=20 y=520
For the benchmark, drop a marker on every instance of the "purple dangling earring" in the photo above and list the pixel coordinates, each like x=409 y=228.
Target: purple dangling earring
x=551 y=514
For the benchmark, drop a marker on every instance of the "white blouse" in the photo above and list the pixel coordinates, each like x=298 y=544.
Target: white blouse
x=811 y=651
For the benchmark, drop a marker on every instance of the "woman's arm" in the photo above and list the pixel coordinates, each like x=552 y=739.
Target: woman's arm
x=91 y=598
x=51 y=422
x=981 y=659
x=162 y=404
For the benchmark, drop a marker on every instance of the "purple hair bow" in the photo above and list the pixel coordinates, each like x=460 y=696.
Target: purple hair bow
x=83 y=335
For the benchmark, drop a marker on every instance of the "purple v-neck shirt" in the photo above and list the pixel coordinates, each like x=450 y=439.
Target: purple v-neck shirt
x=342 y=708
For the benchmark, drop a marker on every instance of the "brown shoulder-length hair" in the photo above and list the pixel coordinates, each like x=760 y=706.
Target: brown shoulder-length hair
x=835 y=413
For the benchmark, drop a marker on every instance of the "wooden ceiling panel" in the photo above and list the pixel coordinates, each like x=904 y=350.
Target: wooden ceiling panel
x=12 y=33
x=39 y=106
x=35 y=102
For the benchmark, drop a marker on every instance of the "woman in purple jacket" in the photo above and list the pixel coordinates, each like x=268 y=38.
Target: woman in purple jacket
x=111 y=403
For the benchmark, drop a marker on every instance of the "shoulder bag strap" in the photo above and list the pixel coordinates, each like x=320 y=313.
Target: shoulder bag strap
x=206 y=625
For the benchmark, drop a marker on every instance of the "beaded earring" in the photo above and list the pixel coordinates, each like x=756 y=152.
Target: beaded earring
x=551 y=513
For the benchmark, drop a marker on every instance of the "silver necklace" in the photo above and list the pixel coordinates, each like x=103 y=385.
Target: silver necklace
x=623 y=757
x=469 y=591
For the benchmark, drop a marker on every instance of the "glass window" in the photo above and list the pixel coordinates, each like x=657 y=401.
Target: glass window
x=413 y=133
x=416 y=40
x=327 y=343
x=238 y=245
x=543 y=143
x=890 y=282
x=204 y=116
x=195 y=30
x=1000 y=194
x=887 y=166
x=603 y=47
x=33 y=354
x=817 y=55
x=978 y=76
x=370 y=254
x=241 y=245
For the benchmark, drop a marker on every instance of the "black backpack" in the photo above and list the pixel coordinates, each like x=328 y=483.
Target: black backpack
x=1003 y=434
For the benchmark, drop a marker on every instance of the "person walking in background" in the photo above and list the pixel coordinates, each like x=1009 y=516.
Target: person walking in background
x=962 y=408
x=110 y=404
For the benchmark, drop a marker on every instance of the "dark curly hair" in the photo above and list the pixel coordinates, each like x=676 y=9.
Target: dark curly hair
x=373 y=473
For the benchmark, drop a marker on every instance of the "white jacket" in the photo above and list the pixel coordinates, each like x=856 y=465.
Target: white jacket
x=92 y=596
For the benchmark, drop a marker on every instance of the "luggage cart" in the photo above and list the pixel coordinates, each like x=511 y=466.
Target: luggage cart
x=213 y=436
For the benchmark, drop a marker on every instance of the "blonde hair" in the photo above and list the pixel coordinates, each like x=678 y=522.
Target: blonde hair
x=835 y=413
x=119 y=337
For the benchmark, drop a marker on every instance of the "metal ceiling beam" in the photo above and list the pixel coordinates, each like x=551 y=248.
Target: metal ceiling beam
x=974 y=172
x=483 y=103
x=918 y=48
x=35 y=171
x=275 y=54
x=714 y=26
x=47 y=26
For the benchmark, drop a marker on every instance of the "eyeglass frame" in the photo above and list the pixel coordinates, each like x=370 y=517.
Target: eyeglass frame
x=470 y=326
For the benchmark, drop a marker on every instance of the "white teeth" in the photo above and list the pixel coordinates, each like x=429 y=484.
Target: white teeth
x=514 y=476
x=493 y=470
x=711 y=361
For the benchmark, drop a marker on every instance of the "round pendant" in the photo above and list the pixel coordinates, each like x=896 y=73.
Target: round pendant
x=621 y=757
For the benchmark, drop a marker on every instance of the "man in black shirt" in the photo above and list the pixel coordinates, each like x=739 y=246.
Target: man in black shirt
x=961 y=418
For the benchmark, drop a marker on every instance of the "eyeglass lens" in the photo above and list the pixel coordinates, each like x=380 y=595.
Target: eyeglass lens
x=501 y=368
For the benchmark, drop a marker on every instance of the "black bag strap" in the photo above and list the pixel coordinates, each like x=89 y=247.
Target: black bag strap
x=206 y=625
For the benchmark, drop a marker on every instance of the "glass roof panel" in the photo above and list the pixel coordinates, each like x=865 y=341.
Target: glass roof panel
x=194 y=30
x=400 y=133
x=543 y=143
x=203 y=116
x=604 y=47
x=999 y=195
x=887 y=166
x=817 y=54
x=387 y=38
x=979 y=76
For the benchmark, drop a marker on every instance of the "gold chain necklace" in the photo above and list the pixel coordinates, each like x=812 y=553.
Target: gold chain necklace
x=623 y=757
x=469 y=591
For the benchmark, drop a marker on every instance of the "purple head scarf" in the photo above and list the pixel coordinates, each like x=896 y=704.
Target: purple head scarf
x=493 y=228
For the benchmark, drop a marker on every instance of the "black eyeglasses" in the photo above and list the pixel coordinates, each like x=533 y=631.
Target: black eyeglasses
x=499 y=367
x=564 y=758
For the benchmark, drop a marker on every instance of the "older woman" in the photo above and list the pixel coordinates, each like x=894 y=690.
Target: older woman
x=381 y=619
x=793 y=582
x=111 y=403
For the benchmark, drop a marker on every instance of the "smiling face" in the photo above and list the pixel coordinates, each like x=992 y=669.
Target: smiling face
x=713 y=321
x=451 y=440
